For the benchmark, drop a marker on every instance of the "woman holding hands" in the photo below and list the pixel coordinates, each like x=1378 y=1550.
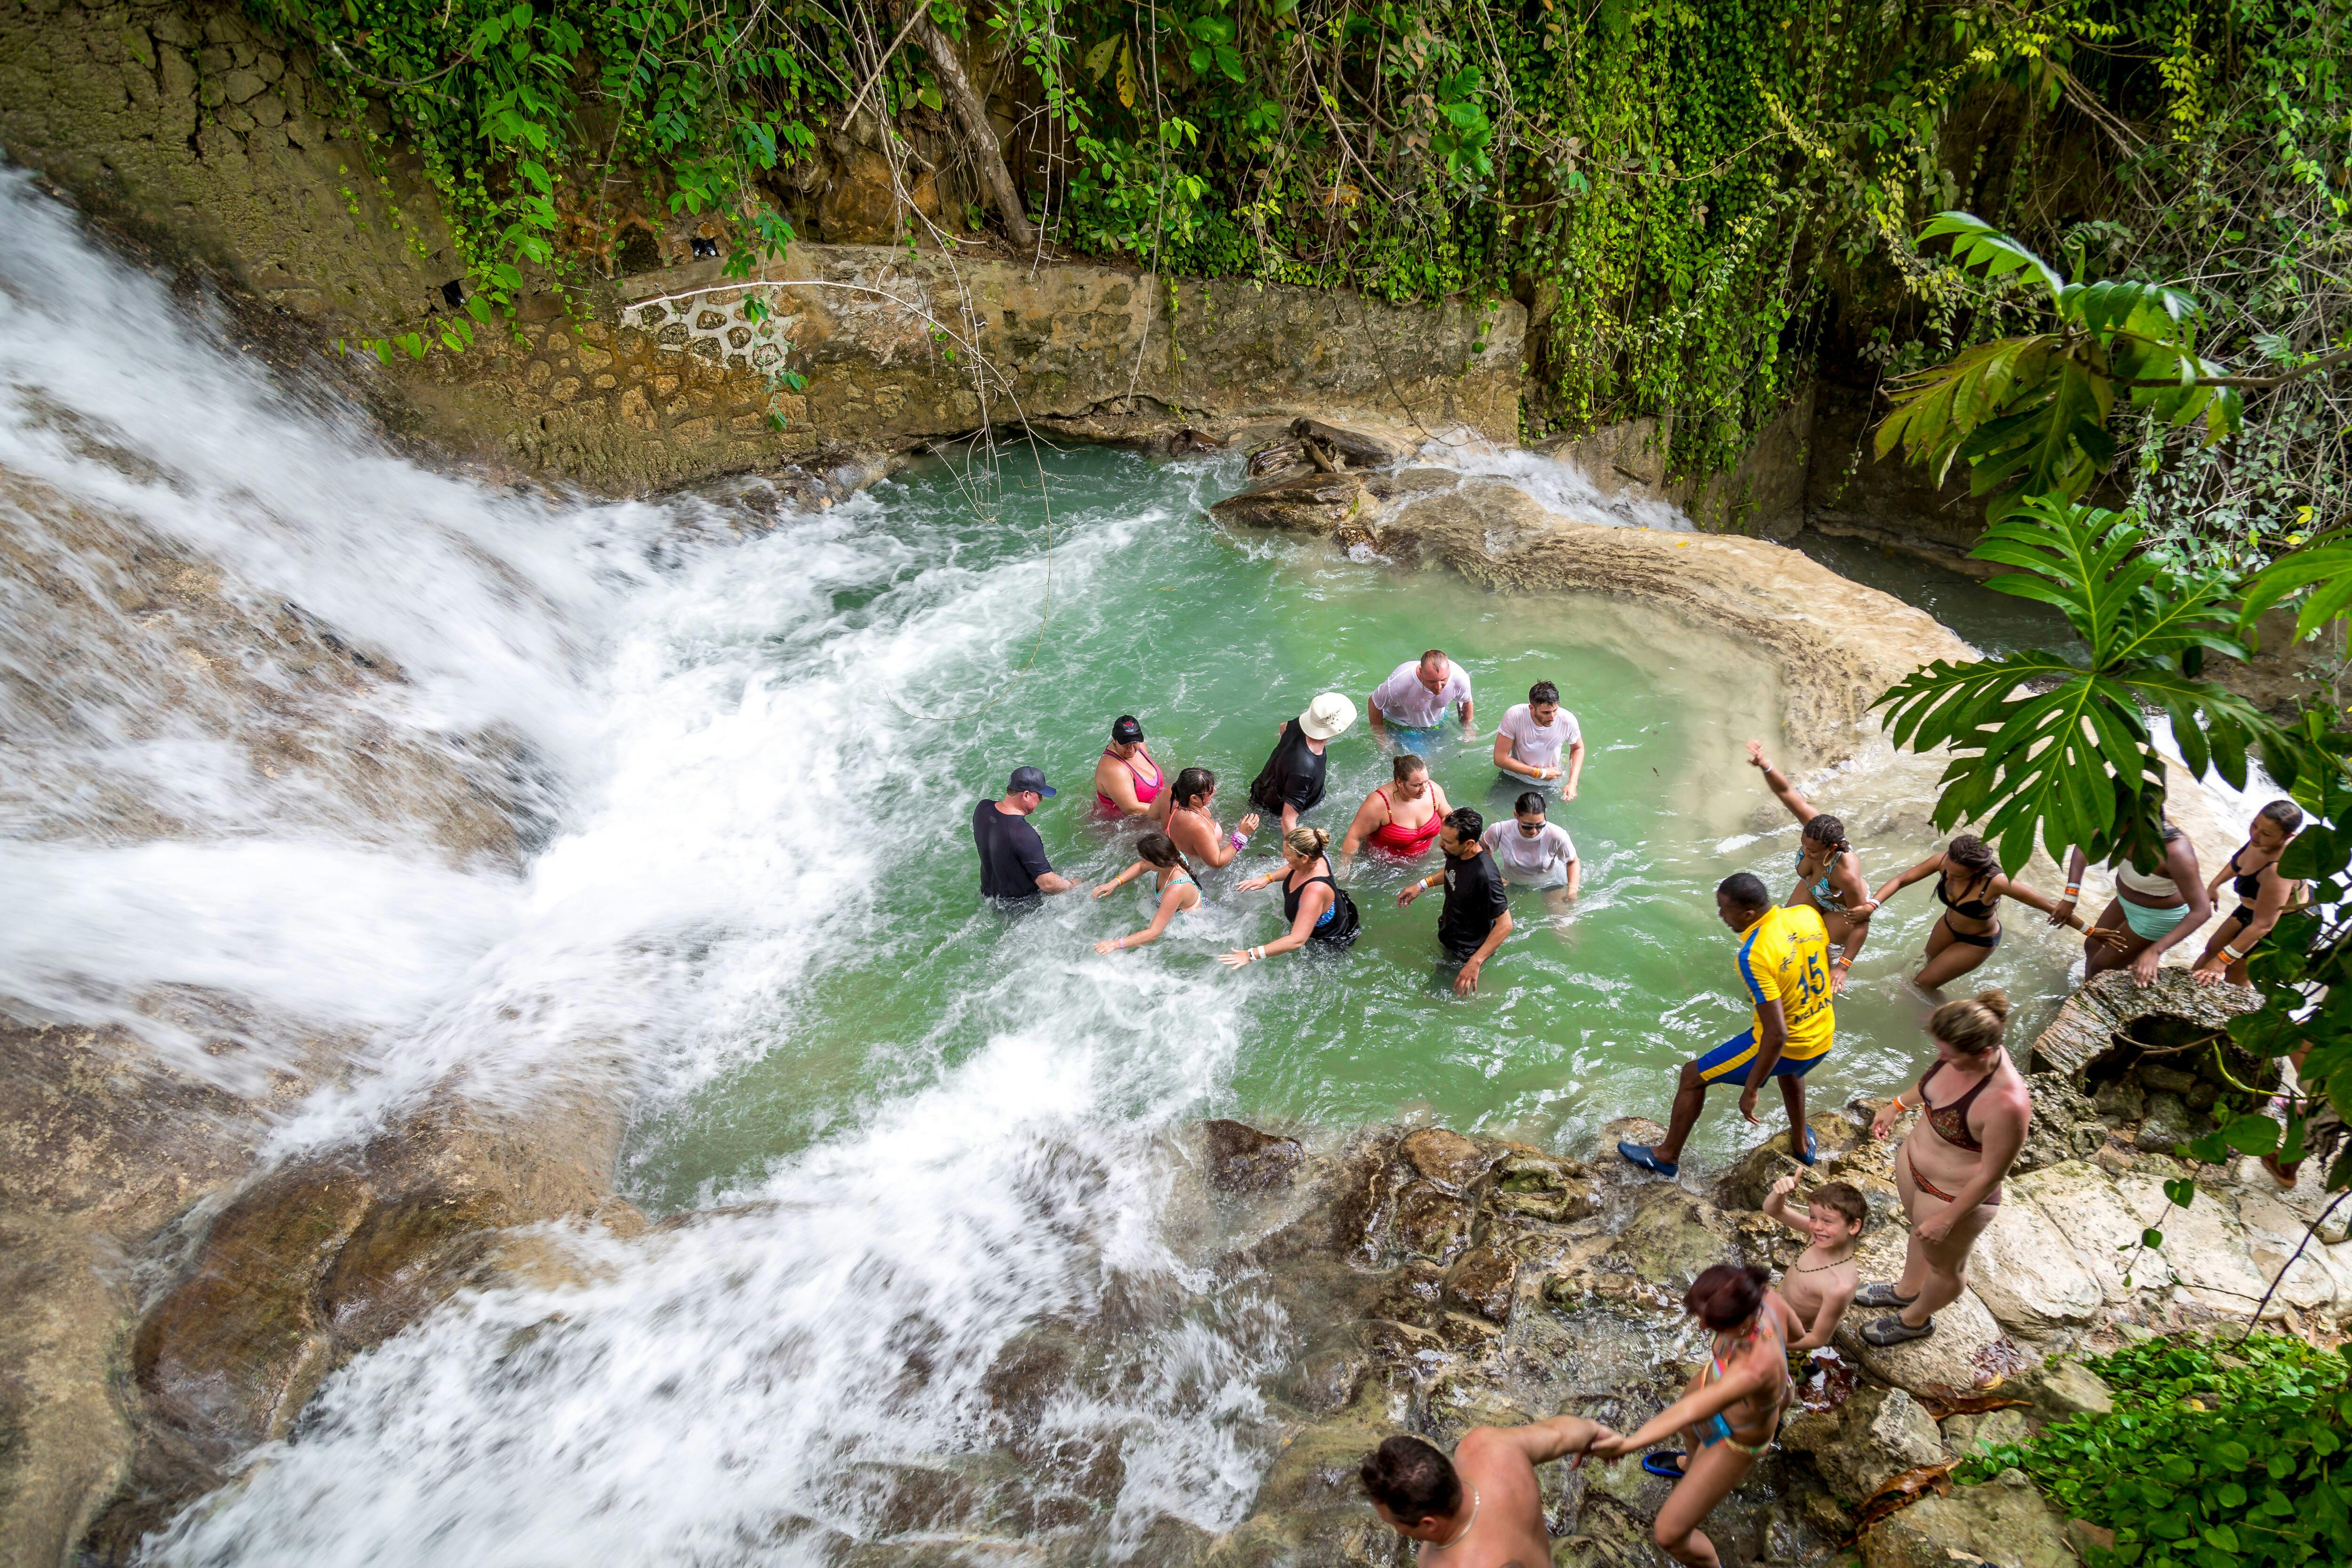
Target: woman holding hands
x=1311 y=901
x=1975 y=1109
x=1970 y=886
x=1178 y=890
x=1730 y=1415
x=1829 y=871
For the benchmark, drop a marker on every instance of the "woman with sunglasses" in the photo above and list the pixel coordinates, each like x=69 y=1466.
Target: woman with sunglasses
x=1533 y=853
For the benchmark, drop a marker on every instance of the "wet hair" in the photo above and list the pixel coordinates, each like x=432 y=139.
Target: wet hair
x=1406 y=765
x=2283 y=814
x=1428 y=654
x=1827 y=831
x=1308 y=841
x=1411 y=1480
x=1466 y=822
x=1161 y=851
x=1747 y=889
x=1840 y=1198
x=1727 y=1295
x=1192 y=782
x=1532 y=800
x=1542 y=691
x=1972 y=855
x=1972 y=1026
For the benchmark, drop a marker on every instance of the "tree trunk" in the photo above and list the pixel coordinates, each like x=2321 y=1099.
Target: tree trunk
x=956 y=88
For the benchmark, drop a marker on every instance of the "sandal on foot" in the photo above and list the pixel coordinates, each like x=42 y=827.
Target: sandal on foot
x=1886 y=1332
x=1640 y=1155
x=1882 y=1294
x=1668 y=1464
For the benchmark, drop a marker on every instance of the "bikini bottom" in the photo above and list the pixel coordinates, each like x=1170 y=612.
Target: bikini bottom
x=1991 y=1200
x=2148 y=925
x=1986 y=939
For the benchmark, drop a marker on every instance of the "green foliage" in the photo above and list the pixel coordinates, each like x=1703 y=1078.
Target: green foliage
x=2212 y=1459
x=2046 y=745
x=2029 y=415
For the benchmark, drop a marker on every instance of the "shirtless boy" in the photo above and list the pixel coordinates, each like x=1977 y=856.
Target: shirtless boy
x=1820 y=1284
x=1481 y=1509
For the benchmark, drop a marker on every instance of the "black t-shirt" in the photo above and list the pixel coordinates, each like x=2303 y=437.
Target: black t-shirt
x=1293 y=775
x=1475 y=900
x=1012 y=856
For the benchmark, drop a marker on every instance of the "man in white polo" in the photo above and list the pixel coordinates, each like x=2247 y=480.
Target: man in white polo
x=1415 y=697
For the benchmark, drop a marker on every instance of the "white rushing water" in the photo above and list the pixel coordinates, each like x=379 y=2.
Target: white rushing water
x=700 y=734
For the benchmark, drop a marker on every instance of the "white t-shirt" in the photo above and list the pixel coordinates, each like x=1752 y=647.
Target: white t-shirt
x=1405 y=701
x=1538 y=746
x=1524 y=859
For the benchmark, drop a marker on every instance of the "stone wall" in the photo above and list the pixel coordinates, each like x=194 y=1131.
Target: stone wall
x=186 y=125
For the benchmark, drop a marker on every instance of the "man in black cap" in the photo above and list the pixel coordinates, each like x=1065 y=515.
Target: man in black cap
x=1013 y=867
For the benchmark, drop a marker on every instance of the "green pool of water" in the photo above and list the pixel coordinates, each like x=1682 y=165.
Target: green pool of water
x=932 y=589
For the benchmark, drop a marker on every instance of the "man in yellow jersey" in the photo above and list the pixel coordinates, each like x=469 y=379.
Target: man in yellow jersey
x=1784 y=962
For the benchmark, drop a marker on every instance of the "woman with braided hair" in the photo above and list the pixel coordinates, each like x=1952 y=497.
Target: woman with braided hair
x=1829 y=871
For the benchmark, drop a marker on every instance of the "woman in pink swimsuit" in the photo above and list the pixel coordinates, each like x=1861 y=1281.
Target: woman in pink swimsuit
x=1402 y=817
x=1126 y=780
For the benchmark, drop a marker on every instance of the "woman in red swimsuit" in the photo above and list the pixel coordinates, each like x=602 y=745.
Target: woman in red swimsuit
x=1949 y=1170
x=1403 y=816
x=1126 y=780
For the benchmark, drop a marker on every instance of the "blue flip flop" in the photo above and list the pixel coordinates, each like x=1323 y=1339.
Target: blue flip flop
x=1812 y=1147
x=1639 y=1154
x=1656 y=1464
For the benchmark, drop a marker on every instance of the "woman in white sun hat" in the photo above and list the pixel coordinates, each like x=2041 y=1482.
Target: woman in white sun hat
x=1291 y=783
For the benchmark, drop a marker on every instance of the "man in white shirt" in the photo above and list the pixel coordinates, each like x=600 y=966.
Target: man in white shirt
x=1415 y=697
x=1533 y=853
x=1534 y=734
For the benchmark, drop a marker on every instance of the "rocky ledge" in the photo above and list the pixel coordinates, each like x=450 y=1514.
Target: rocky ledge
x=1444 y=1281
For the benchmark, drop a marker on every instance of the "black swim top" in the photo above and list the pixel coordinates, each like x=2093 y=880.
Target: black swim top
x=2247 y=884
x=1967 y=909
x=1292 y=776
x=1338 y=923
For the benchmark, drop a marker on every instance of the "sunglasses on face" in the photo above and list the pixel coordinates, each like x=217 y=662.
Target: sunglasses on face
x=1529 y=829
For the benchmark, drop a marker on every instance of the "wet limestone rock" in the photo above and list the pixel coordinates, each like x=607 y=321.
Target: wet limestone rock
x=2004 y=1522
x=1860 y=1445
x=1967 y=1437
x=2059 y=1389
x=1671 y=1238
x=65 y=1444
x=2025 y=1272
x=2087 y=1024
x=1447 y=1158
x=1241 y=1159
x=2082 y=1203
x=2167 y=1127
x=1540 y=1186
x=2066 y=1124
x=1312 y=502
x=1484 y=1283
x=1432 y=1222
x=1836 y=1135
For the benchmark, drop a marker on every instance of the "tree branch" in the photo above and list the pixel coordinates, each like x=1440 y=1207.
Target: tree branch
x=986 y=151
x=2325 y=363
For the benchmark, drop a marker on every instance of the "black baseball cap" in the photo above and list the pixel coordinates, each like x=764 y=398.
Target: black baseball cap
x=1029 y=778
x=1126 y=731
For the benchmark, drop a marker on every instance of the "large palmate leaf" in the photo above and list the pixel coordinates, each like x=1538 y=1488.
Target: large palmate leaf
x=2029 y=415
x=2325 y=569
x=2046 y=745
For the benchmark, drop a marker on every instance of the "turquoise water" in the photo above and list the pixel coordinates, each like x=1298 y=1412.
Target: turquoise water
x=1211 y=637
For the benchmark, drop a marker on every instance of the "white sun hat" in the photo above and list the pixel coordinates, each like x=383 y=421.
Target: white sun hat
x=1327 y=716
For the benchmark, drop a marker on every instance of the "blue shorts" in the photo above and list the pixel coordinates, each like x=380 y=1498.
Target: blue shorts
x=1420 y=742
x=1730 y=1059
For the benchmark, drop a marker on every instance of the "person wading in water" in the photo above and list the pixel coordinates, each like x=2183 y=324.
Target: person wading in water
x=1194 y=830
x=1949 y=1170
x=1126 y=780
x=1403 y=816
x=1311 y=901
x=1730 y=1414
x=1178 y=890
x=1829 y=871
x=1291 y=783
x=1415 y=697
x=1484 y=1506
x=1969 y=885
x=1477 y=914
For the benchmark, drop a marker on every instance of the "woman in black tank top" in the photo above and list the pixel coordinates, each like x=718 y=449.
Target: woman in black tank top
x=1969 y=885
x=1317 y=909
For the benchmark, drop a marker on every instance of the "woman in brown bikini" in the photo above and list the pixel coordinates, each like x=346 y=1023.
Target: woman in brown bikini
x=1949 y=1170
x=1730 y=1414
x=1969 y=885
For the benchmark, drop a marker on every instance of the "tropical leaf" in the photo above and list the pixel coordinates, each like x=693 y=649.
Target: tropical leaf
x=2325 y=569
x=1976 y=243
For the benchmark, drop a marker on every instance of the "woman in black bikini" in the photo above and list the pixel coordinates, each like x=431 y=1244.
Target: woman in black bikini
x=1829 y=871
x=1311 y=901
x=1949 y=1170
x=2263 y=894
x=1730 y=1414
x=1969 y=885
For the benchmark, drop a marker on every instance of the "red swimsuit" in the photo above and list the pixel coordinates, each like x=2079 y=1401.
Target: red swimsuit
x=1405 y=841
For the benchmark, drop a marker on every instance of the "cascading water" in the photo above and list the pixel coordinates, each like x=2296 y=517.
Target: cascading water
x=926 y=1141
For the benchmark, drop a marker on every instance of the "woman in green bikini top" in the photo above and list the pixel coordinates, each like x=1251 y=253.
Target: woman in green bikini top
x=1731 y=1411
